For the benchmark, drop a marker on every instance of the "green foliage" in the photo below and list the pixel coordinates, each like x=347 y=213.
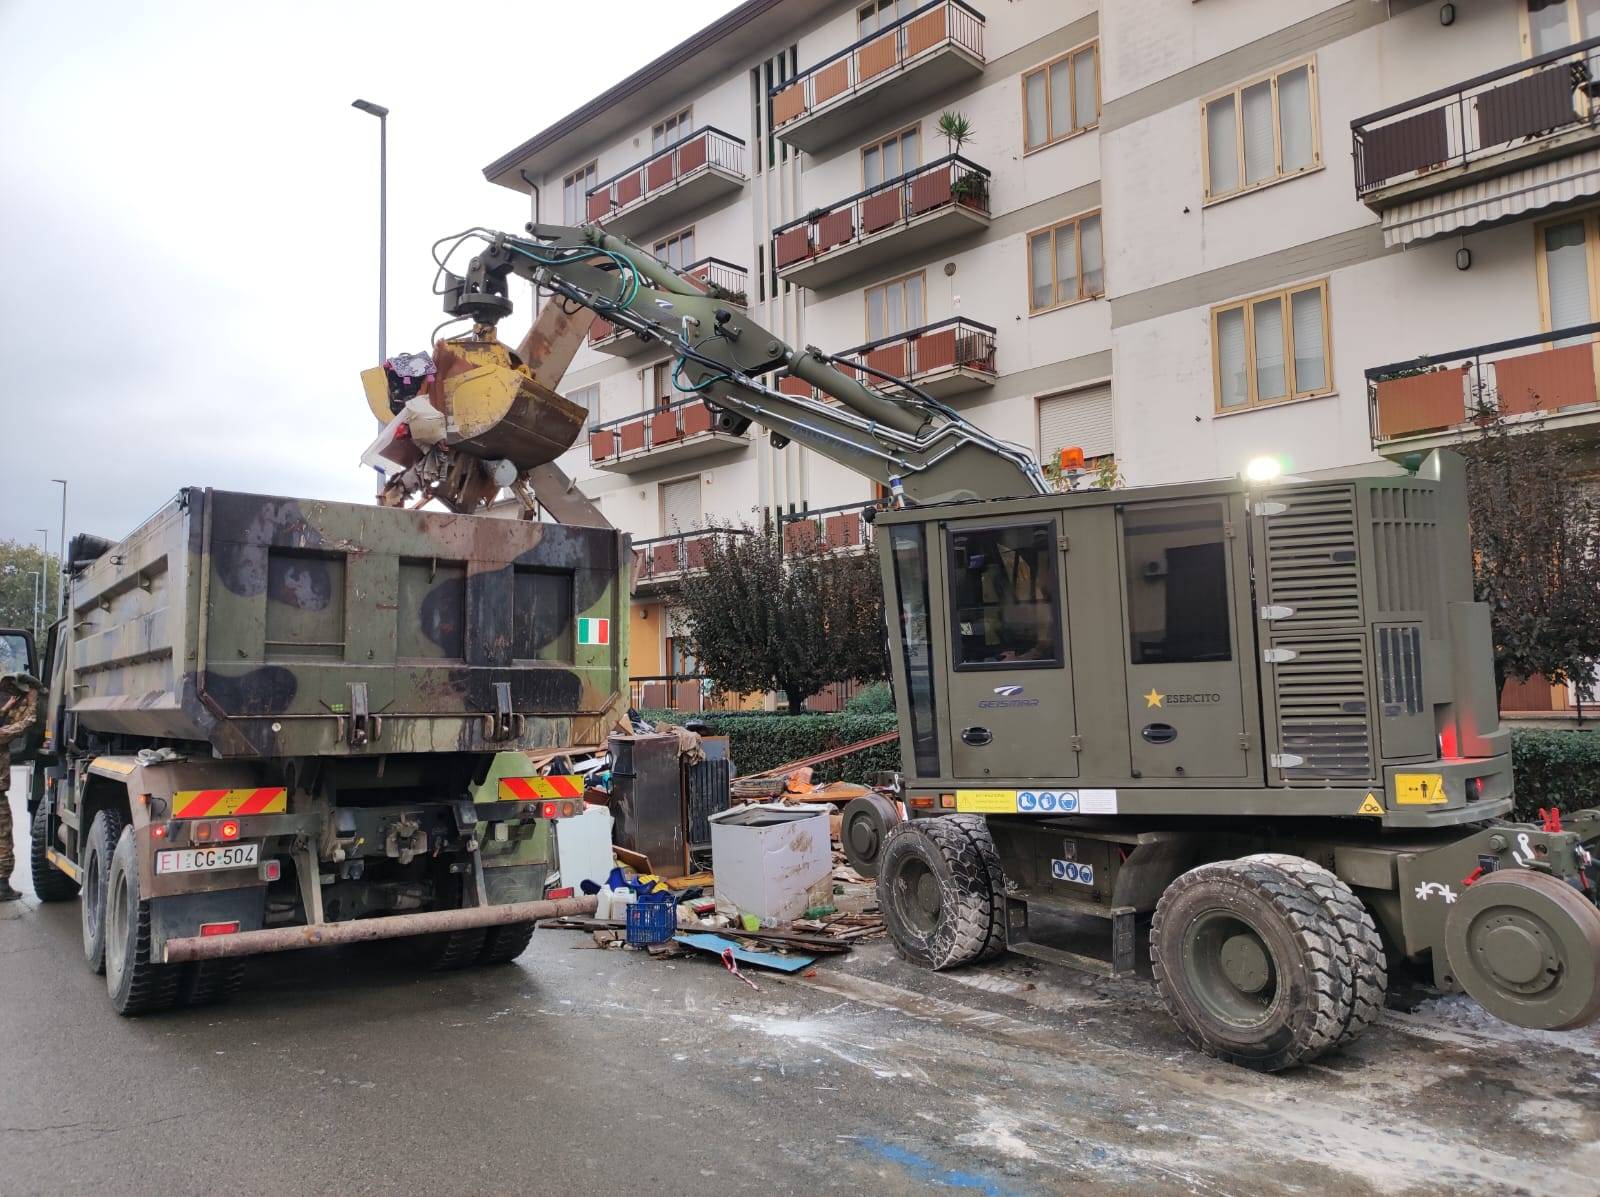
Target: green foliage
x=956 y=129
x=1555 y=768
x=760 y=619
x=18 y=589
x=1536 y=550
x=876 y=699
x=761 y=740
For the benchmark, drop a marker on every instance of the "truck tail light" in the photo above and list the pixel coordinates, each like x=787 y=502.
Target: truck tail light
x=228 y=829
x=158 y=831
x=200 y=833
x=922 y=801
x=209 y=929
x=551 y=810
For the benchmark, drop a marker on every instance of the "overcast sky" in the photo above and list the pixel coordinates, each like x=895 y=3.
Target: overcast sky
x=188 y=220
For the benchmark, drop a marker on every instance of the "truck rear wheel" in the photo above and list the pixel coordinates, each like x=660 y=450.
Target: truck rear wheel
x=505 y=943
x=137 y=984
x=1249 y=965
x=1358 y=935
x=50 y=884
x=976 y=828
x=98 y=848
x=934 y=891
x=210 y=982
x=443 y=951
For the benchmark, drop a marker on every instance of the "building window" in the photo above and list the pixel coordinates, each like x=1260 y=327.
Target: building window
x=890 y=158
x=1066 y=263
x=1261 y=131
x=1568 y=260
x=895 y=307
x=1271 y=348
x=677 y=250
x=680 y=505
x=1080 y=419
x=659 y=391
x=587 y=398
x=575 y=190
x=1062 y=97
x=1555 y=24
x=881 y=13
x=670 y=131
x=681 y=662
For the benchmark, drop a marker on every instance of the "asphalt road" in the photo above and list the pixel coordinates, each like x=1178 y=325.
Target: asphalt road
x=580 y=1070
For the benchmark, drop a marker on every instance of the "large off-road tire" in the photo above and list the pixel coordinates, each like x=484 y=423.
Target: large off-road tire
x=935 y=893
x=98 y=848
x=1250 y=965
x=443 y=951
x=976 y=828
x=863 y=827
x=137 y=984
x=505 y=943
x=1358 y=935
x=50 y=884
x=210 y=982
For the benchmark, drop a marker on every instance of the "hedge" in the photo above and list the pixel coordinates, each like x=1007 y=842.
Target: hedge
x=761 y=740
x=1555 y=768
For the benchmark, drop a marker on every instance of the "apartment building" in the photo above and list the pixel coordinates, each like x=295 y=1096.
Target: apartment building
x=1179 y=235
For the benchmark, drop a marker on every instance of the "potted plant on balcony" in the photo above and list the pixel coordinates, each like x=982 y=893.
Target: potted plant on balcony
x=970 y=186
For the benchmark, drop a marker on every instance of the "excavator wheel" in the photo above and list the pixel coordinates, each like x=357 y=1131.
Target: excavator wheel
x=1526 y=947
x=866 y=823
x=935 y=894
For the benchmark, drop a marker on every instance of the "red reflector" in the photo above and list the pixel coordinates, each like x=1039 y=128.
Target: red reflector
x=209 y=929
x=158 y=832
x=550 y=810
x=272 y=870
x=556 y=895
x=200 y=832
x=229 y=830
x=923 y=803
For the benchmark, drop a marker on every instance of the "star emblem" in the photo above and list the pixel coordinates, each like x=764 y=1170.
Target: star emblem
x=1154 y=698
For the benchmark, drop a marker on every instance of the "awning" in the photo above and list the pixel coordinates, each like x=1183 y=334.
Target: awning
x=1489 y=201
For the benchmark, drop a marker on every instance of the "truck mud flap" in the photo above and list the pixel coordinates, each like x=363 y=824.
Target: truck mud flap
x=178 y=917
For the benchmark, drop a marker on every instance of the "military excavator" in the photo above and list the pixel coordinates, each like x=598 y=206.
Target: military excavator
x=1253 y=720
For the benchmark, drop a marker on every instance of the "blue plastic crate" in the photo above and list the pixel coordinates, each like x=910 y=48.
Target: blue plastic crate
x=652 y=922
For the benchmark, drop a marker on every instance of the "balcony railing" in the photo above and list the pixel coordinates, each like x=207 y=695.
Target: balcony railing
x=707 y=151
x=1529 y=378
x=668 y=558
x=944 y=359
x=1517 y=107
x=673 y=692
x=865 y=65
x=951 y=184
x=842 y=527
x=685 y=424
x=727 y=281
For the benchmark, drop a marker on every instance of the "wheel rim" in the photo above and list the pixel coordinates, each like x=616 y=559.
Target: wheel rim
x=919 y=900
x=1230 y=969
x=116 y=929
x=864 y=835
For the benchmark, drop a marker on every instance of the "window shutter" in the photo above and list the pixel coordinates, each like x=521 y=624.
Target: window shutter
x=680 y=505
x=1268 y=317
x=1232 y=386
x=1085 y=92
x=1259 y=159
x=1060 y=98
x=1567 y=273
x=1310 y=356
x=1082 y=418
x=1038 y=131
x=1222 y=145
x=1294 y=118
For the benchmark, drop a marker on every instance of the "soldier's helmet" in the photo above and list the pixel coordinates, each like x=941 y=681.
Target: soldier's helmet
x=18 y=683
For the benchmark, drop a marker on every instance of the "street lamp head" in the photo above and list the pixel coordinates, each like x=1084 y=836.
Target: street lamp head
x=377 y=110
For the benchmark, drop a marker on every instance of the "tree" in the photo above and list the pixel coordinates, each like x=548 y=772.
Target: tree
x=757 y=618
x=1536 y=550
x=18 y=588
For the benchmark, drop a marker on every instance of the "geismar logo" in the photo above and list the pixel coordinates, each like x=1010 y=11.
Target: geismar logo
x=1008 y=696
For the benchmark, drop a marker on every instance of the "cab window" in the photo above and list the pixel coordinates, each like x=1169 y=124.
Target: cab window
x=1177 y=563
x=14 y=654
x=1005 y=597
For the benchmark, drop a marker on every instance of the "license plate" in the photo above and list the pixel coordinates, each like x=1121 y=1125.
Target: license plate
x=204 y=860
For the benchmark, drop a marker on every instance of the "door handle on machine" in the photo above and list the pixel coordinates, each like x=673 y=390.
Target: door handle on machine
x=976 y=736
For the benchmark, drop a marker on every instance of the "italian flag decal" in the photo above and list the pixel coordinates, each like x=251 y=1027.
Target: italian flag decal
x=594 y=631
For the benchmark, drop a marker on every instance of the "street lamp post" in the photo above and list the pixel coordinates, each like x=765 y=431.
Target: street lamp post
x=44 y=577
x=382 y=113
x=61 y=566
x=38 y=599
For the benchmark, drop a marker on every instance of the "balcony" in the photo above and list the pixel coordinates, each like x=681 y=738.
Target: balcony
x=1545 y=381
x=726 y=280
x=918 y=210
x=843 y=528
x=947 y=359
x=670 y=184
x=1517 y=140
x=662 y=561
x=677 y=432
x=921 y=56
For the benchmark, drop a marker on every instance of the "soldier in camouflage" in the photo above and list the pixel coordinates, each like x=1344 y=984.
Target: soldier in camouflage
x=19 y=703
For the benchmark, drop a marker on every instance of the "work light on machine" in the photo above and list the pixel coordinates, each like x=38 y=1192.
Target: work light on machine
x=1263 y=469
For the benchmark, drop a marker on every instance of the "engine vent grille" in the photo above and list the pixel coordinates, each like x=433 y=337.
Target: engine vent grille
x=1405 y=550
x=1400 y=668
x=1311 y=557
x=1323 y=716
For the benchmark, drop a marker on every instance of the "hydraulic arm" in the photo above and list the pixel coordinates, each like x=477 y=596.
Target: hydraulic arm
x=893 y=432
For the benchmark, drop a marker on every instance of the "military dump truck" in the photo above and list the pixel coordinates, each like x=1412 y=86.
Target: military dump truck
x=1258 y=719
x=274 y=723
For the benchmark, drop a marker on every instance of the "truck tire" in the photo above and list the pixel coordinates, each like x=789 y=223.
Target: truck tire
x=98 y=848
x=1358 y=935
x=976 y=828
x=443 y=951
x=50 y=884
x=934 y=891
x=137 y=984
x=209 y=982
x=1249 y=965
x=505 y=943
